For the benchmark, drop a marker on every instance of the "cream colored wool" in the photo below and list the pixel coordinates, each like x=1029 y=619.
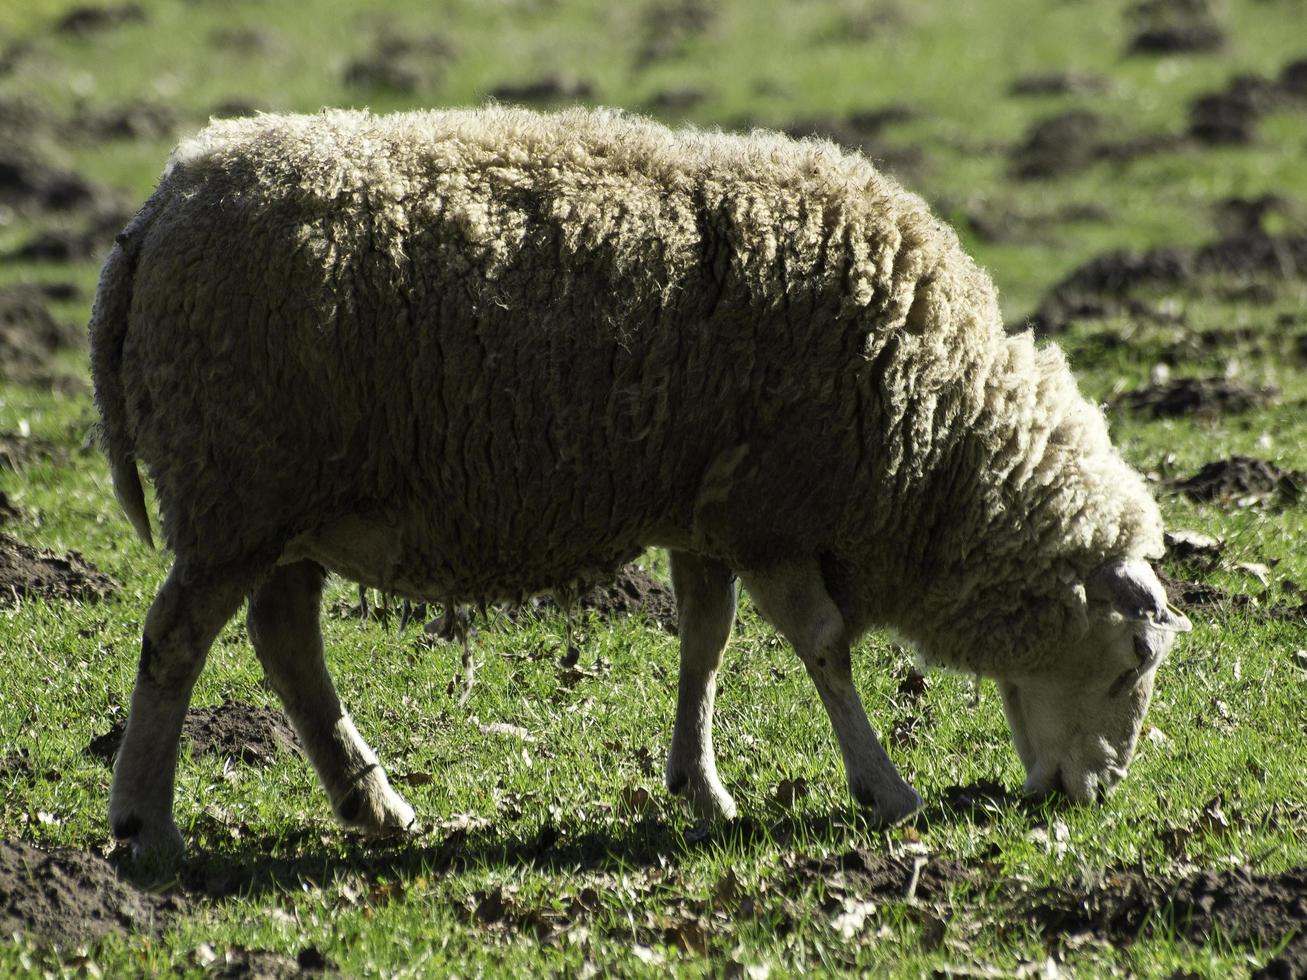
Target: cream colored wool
x=533 y=344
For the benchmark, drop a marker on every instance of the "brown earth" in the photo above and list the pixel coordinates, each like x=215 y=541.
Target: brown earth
x=1238 y=904
x=631 y=591
x=1194 y=396
x=239 y=963
x=548 y=88
x=1242 y=480
x=16 y=450
x=233 y=729
x=66 y=898
x=26 y=572
x=9 y=511
x=30 y=336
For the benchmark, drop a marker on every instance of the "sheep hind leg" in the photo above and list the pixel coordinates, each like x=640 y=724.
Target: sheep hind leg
x=285 y=628
x=185 y=617
x=794 y=599
x=705 y=606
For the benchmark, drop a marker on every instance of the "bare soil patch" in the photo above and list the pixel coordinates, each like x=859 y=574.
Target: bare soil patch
x=26 y=572
x=1185 y=37
x=85 y=21
x=129 y=121
x=65 y=897
x=30 y=336
x=632 y=590
x=401 y=64
x=1241 y=481
x=1238 y=904
x=1058 y=83
x=233 y=730
x=1195 y=396
x=16 y=450
x=9 y=511
x=549 y=88
x=239 y=963
x=1103 y=286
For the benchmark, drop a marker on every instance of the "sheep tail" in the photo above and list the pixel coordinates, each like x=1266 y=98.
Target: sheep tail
x=108 y=333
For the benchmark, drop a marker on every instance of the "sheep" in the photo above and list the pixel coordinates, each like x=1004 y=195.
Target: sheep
x=463 y=355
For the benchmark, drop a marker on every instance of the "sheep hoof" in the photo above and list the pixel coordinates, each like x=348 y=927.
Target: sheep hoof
x=374 y=809
x=706 y=796
x=885 y=809
x=156 y=844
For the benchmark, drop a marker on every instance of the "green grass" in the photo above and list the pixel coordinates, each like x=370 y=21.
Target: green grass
x=589 y=882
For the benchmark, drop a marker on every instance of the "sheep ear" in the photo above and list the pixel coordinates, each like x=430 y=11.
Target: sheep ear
x=1132 y=587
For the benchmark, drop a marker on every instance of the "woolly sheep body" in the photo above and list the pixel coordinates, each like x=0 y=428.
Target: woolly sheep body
x=475 y=354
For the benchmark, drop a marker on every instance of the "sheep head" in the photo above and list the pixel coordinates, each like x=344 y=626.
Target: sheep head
x=1076 y=722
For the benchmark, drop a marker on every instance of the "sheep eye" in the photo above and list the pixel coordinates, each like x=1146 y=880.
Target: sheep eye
x=1141 y=650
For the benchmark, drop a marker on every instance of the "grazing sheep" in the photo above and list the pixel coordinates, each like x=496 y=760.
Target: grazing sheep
x=473 y=354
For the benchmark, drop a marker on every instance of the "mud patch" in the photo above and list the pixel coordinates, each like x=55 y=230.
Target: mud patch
x=1058 y=83
x=404 y=65
x=239 y=963
x=17 y=449
x=1195 y=396
x=1203 y=598
x=16 y=765
x=1102 y=286
x=669 y=27
x=30 y=336
x=1185 y=37
x=632 y=591
x=231 y=730
x=9 y=511
x=1242 y=481
x=1243 y=907
x=65 y=897
x=28 y=573
x=1073 y=140
x=550 y=88
x=867 y=874
x=85 y=21
x=131 y=121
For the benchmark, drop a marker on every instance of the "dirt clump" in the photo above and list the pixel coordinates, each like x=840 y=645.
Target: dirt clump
x=1058 y=83
x=885 y=878
x=239 y=963
x=1058 y=145
x=632 y=590
x=668 y=28
x=137 y=120
x=27 y=573
x=401 y=64
x=29 y=335
x=16 y=765
x=549 y=88
x=1185 y=37
x=1242 y=480
x=233 y=730
x=28 y=181
x=1238 y=904
x=18 y=449
x=84 y=21
x=66 y=898
x=1195 y=396
x=9 y=511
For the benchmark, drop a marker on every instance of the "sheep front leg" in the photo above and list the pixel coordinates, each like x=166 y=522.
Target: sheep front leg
x=705 y=610
x=794 y=599
x=185 y=617
x=286 y=632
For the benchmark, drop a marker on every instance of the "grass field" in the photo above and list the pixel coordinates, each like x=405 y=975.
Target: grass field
x=548 y=843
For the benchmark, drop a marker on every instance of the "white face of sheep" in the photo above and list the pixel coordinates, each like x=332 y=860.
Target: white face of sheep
x=1077 y=724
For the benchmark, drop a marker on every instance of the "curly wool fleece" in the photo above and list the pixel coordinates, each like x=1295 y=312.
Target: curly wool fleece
x=535 y=343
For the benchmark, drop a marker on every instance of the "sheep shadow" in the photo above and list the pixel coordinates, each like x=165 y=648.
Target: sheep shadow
x=262 y=864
